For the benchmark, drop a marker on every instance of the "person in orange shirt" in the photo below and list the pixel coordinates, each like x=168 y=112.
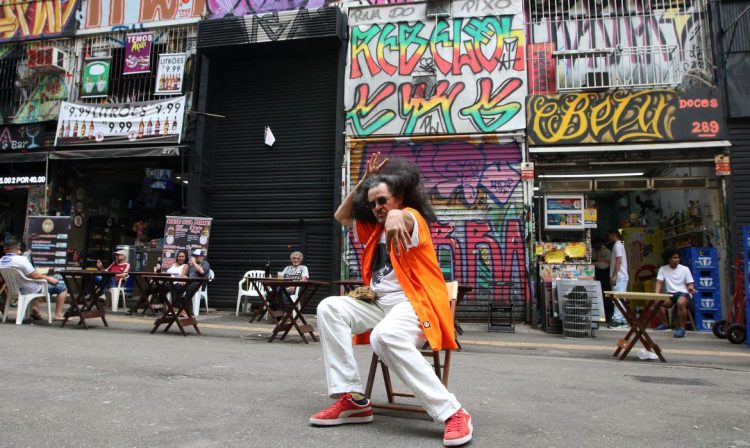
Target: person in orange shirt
x=400 y=266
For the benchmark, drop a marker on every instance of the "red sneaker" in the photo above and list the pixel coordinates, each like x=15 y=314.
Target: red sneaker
x=343 y=411
x=458 y=429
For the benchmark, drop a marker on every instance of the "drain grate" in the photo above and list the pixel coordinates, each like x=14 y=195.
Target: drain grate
x=670 y=380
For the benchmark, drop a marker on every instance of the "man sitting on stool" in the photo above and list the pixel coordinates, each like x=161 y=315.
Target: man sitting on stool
x=679 y=282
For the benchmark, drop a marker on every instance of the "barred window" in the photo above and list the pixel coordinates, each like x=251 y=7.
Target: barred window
x=34 y=78
x=135 y=87
x=595 y=44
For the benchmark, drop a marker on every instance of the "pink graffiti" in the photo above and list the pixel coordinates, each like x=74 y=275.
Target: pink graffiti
x=223 y=8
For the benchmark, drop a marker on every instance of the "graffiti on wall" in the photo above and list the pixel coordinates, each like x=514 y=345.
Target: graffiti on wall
x=476 y=191
x=449 y=76
x=659 y=115
x=217 y=9
x=647 y=46
x=22 y=20
x=127 y=14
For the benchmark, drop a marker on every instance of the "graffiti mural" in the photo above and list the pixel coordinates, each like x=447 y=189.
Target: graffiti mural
x=659 y=115
x=477 y=194
x=217 y=9
x=24 y=20
x=636 y=46
x=130 y=14
x=446 y=76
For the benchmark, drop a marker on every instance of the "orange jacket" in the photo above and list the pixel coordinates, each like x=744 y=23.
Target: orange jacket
x=419 y=274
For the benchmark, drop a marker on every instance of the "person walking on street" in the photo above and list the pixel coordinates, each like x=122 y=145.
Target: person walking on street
x=618 y=274
x=411 y=301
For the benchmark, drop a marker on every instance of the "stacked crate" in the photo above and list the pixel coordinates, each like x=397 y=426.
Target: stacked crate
x=703 y=263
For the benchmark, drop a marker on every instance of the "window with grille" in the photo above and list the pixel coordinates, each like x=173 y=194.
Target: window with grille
x=34 y=79
x=596 y=44
x=135 y=87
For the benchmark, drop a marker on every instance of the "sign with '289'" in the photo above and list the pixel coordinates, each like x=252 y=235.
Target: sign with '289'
x=125 y=123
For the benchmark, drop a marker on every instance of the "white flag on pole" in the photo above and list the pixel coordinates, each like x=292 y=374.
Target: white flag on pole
x=268 y=137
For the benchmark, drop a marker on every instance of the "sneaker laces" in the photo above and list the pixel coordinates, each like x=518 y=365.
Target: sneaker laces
x=455 y=422
x=334 y=406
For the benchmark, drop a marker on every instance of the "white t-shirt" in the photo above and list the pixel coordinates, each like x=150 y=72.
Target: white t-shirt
x=22 y=264
x=618 y=250
x=384 y=282
x=675 y=280
x=175 y=270
x=293 y=272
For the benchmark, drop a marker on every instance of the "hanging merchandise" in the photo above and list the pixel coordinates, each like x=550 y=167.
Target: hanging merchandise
x=95 y=82
x=169 y=74
x=137 y=53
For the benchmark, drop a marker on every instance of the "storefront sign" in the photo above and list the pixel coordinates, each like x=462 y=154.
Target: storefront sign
x=184 y=233
x=563 y=212
x=658 y=115
x=95 y=82
x=49 y=241
x=137 y=53
x=19 y=138
x=527 y=170
x=723 y=168
x=134 y=123
x=22 y=180
x=169 y=74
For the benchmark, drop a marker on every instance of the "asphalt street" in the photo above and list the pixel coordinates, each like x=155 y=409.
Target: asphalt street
x=123 y=387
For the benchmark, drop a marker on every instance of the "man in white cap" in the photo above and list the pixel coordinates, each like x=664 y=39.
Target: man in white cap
x=199 y=267
x=120 y=267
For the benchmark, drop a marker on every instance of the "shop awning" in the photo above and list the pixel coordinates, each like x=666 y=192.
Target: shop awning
x=629 y=147
x=109 y=153
x=24 y=157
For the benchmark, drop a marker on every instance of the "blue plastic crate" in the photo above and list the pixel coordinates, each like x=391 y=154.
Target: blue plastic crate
x=707 y=300
x=704 y=320
x=699 y=257
x=706 y=278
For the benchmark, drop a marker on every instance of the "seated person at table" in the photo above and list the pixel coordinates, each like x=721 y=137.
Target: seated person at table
x=295 y=271
x=14 y=259
x=180 y=267
x=120 y=267
x=677 y=281
x=197 y=267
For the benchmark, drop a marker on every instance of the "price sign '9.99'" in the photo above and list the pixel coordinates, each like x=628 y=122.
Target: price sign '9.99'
x=170 y=73
x=128 y=123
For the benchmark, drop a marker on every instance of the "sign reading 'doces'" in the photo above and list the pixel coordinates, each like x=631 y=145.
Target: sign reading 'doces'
x=128 y=123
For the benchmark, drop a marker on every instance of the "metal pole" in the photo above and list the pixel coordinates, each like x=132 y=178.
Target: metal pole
x=46 y=183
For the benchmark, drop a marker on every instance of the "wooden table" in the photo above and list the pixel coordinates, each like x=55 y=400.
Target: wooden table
x=148 y=296
x=288 y=311
x=163 y=285
x=84 y=292
x=651 y=303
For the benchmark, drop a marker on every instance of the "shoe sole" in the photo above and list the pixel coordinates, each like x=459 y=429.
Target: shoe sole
x=462 y=440
x=340 y=421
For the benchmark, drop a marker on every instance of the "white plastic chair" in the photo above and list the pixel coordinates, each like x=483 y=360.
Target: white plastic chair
x=118 y=291
x=13 y=279
x=250 y=291
x=202 y=294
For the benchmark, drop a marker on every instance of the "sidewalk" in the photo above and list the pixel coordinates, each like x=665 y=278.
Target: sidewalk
x=696 y=349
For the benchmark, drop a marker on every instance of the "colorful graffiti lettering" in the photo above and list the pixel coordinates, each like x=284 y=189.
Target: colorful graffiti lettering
x=460 y=75
x=36 y=19
x=475 y=189
x=222 y=8
x=624 y=117
x=112 y=13
x=43 y=102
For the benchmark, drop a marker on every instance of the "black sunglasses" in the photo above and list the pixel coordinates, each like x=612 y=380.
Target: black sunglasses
x=380 y=201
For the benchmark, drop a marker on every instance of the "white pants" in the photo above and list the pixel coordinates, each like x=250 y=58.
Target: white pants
x=394 y=338
x=621 y=285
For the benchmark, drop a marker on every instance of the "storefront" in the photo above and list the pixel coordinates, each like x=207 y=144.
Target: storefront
x=269 y=134
x=642 y=162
